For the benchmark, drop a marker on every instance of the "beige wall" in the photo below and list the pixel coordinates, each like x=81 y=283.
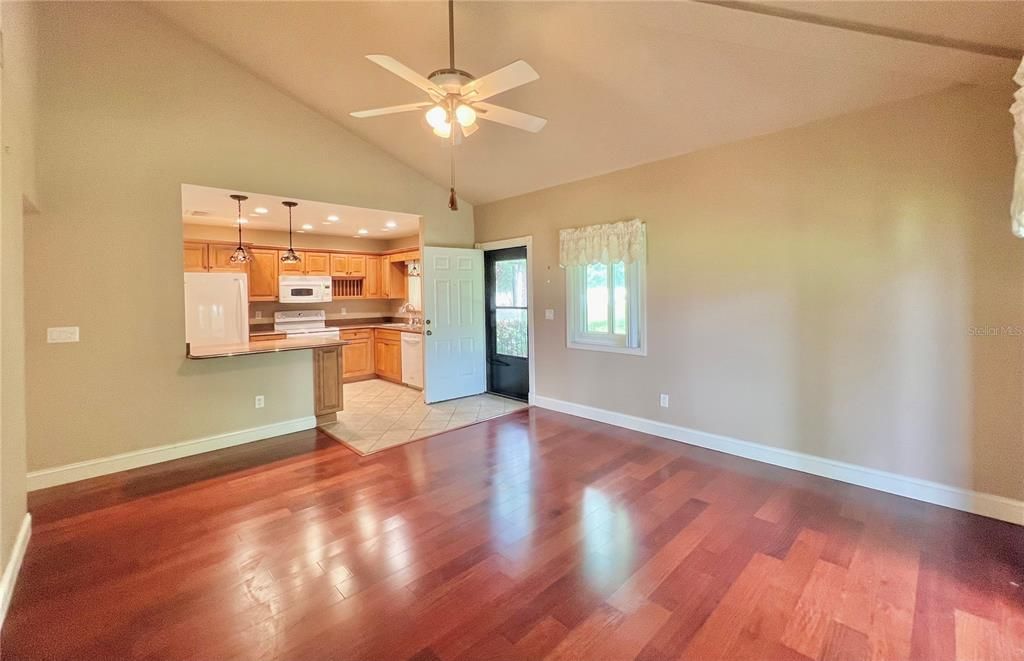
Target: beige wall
x=18 y=192
x=131 y=108
x=815 y=290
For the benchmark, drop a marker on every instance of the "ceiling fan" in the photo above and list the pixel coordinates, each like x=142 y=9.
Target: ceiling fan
x=457 y=99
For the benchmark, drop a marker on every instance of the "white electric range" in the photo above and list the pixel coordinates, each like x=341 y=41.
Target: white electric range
x=304 y=323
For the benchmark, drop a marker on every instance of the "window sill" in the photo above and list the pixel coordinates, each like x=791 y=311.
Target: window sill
x=609 y=348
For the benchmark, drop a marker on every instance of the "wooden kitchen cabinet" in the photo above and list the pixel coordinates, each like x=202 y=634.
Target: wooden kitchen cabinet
x=263 y=269
x=220 y=258
x=196 y=257
x=407 y=256
x=297 y=268
x=358 y=355
x=387 y=354
x=393 y=283
x=348 y=266
x=372 y=285
x=357 y=266
x=327 y=380
x=317 y=263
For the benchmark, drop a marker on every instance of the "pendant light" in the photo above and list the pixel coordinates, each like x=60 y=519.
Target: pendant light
x=241 y=255
x=290 y=257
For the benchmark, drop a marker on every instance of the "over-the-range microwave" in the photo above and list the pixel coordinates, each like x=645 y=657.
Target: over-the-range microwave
x=304 y=289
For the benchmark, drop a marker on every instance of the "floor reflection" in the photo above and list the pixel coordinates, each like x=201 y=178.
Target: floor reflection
x=609 y=545
x=512 y=498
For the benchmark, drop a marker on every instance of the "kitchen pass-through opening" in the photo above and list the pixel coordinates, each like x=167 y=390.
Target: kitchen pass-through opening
x=508 y=342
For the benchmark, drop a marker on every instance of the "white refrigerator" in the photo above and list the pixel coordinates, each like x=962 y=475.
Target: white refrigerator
x=216 y=308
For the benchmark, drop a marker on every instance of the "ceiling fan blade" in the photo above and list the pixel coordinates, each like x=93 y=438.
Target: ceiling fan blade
x=508 y=117
x=468 y=130
x=407 y=74
x=390 y=110
x=515 y=74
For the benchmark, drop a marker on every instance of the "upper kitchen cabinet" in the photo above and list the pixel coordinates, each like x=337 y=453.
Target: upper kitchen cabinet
x=317 y=263
x=263 y=272
x=297 y=268
x=196 y=257
x=220 y=258
x=393 y=281
x=348 y=266
x=372 y=288
x=407 y=256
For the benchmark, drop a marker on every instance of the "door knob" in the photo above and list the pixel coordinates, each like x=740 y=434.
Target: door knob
x=430 y=332
x=426 y=321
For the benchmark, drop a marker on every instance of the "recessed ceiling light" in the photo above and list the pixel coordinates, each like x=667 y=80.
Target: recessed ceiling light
x=391 y=223
x=307 y=226
x=300 y=231
x=242 y=221
x=385 y=229
x=260 y=210
x=326 y=223
x=356 y=236
x=332 y=218
x=364 y=231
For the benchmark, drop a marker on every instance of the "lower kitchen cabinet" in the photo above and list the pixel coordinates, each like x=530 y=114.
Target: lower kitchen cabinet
x=387 y=354
x=358 y=355
x=327 y=379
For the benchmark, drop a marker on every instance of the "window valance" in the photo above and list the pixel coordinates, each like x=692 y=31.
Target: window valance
x=1017 y=110
x=612 y=242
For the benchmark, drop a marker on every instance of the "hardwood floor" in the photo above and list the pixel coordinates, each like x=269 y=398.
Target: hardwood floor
x=535 y=535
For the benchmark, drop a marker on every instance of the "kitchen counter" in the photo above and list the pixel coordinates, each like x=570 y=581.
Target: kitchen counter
x=261 y=346
x=403 y=328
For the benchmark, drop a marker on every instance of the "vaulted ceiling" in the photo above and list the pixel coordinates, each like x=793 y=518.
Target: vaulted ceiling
x=621 y=83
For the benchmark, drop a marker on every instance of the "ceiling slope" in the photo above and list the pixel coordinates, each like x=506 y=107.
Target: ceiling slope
x=621 y=83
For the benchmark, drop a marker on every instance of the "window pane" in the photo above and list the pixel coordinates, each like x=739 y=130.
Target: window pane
x=510 y=332
x=621 y=311
x=510 y=283
x=596 y=280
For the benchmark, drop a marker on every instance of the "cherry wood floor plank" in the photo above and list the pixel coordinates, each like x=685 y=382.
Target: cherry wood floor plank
x=530 y=536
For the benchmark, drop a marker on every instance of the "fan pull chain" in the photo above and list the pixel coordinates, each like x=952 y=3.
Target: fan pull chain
x=453 y=201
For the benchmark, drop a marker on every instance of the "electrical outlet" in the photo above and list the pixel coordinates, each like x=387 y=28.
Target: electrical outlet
x=60 y=334
x=549 y=314
x=344 y=310
x=664 y=401
x=260 y=401
x=259 y=314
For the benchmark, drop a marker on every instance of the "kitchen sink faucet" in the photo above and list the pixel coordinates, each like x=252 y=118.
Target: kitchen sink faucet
x=410 y=308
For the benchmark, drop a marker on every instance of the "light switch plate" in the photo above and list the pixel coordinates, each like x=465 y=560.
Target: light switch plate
x=549 y=314
x=59 y=334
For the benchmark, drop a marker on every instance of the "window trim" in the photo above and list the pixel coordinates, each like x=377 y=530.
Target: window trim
x=577 y=338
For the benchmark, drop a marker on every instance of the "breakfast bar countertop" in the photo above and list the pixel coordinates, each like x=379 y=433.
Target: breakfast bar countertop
x=261 y=346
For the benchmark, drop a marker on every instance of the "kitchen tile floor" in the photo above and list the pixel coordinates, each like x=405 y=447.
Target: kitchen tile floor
x=380 y=414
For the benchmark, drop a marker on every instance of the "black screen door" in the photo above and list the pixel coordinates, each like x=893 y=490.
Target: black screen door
x=508 y=358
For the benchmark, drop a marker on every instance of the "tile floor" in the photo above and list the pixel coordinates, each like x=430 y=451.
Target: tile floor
x=380 y=414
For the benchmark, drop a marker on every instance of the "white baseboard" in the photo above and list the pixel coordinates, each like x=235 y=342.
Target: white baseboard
x=996 y=507
x=49 y=477
x=10 y=575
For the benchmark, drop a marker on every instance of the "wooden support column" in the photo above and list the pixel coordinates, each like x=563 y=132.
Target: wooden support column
x=327 y=383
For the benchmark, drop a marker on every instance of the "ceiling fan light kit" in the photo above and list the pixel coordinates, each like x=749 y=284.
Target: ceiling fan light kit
x=457 y=98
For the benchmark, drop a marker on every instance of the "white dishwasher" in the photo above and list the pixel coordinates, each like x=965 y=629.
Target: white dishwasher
x=412 y=359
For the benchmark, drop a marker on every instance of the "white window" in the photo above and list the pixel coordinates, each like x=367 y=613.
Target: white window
x=606 y=306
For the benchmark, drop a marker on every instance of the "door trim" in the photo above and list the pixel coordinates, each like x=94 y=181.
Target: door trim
x=519 y=242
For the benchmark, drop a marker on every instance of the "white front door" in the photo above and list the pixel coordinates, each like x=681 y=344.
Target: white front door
x=453 y=314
